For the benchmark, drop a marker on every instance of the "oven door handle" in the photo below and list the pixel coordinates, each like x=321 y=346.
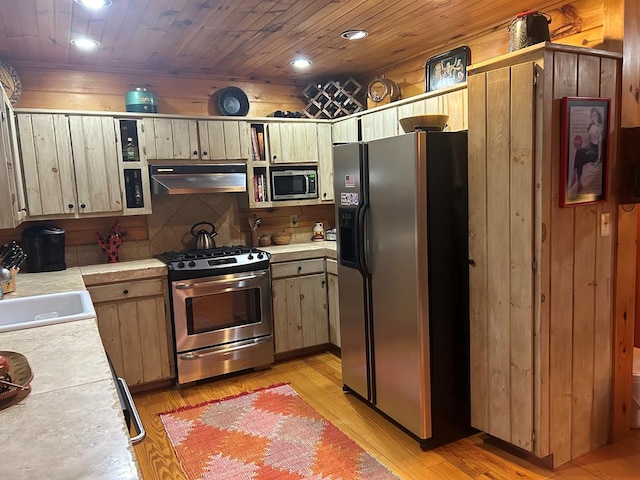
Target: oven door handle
x=236 y=278
x=224 y=348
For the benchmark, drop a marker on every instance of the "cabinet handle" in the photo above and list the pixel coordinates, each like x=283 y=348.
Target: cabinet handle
x=125 y=291
x=70 y=205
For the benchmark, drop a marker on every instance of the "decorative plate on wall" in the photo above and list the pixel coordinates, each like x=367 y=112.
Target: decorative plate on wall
x=233 y=101
x=10 y=81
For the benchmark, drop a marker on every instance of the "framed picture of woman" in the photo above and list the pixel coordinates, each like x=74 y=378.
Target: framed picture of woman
x=583 y=156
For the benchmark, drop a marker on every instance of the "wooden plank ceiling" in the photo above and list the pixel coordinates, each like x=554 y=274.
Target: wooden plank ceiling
x=246 y=38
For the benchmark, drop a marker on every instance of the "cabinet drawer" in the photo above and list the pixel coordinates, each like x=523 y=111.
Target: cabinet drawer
x=125 y=290
x=332 y=266
x=302 y=267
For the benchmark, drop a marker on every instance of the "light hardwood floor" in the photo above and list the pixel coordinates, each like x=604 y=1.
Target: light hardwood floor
x=317 y=380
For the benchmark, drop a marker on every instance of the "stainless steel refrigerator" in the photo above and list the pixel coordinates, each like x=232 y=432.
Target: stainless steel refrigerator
x=401 y=213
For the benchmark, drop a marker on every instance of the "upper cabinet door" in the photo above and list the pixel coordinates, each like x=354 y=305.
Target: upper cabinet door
x=12 y=206
x=47 y=160
x=325 y=163
x=380 y=124
x=167 y=138
x=223 y=140
x=293 y=142
x=95 y=159
x=345 y=131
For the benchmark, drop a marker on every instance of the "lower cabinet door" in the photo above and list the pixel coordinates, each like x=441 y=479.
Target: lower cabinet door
x=134 y=335
x=300 y=312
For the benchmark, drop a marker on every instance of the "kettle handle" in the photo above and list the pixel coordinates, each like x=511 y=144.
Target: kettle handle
x=212 y=232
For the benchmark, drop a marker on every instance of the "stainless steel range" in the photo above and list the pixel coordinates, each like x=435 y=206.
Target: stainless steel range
x=221 y=309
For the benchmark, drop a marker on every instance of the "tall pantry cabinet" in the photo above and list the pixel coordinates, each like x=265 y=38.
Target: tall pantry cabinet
x=541 y=276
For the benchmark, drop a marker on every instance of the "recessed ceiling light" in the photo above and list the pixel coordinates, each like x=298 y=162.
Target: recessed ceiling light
x=95 y=4
x=85 y=43
x=354 y=34
x=301 y=63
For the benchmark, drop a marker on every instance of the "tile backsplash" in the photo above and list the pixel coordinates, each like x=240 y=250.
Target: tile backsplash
x=169 y=226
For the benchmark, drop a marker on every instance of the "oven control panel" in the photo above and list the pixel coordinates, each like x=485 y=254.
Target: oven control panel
x=222 y=261
x=218 y=261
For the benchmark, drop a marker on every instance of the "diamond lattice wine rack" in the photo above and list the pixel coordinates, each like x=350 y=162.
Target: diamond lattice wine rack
x=332 y=99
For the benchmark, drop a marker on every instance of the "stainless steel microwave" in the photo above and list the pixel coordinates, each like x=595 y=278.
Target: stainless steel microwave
x=294 y=183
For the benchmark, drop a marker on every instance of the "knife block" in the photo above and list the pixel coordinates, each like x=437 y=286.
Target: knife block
x=10 y=286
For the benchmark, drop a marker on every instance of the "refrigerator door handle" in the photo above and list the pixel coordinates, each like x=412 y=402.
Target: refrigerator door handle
x=363 y=238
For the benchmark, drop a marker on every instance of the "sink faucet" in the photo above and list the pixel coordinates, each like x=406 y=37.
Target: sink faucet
x=5 y=276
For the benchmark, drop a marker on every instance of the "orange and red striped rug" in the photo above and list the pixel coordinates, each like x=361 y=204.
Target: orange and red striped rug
x=270 y=433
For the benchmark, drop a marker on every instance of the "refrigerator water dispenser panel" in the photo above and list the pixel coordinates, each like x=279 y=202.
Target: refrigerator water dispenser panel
x=347 y=236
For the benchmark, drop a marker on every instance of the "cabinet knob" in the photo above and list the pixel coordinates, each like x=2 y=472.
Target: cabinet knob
x=195 y=152
x=324 y=194
x=472 y=262
x=299 y=327
x=205 y=153
x=125 y=291
x=323 y=282
x=70 y=205
x=299 y=269
x=275 y=156
x=82 y=205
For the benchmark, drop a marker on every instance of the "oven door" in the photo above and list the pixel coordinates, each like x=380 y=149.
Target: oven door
x=220 y=310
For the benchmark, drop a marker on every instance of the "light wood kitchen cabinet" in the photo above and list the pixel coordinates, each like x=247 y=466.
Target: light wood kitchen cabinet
x=333 y=301
x=12 y=201
x=224 y=140
x=280 y=143
x=541 y=276
x=345 y=130
x=293 y=142
x=452 y=103
x=134 y=327
x=134 y=169
x=171 y=139
x=380 y=124
x=70 y=164
x=299 y=305
x=383 y=122
x=201 y=140
x=325 y=164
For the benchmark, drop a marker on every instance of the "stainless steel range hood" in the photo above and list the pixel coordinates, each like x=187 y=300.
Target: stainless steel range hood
x=181 y=179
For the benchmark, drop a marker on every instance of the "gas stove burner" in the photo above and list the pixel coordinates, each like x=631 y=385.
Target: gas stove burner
x=214 y=261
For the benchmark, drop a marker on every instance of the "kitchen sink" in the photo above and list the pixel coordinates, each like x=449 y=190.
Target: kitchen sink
x=29 y=312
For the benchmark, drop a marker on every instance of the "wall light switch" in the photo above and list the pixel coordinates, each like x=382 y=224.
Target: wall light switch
x=605 y=225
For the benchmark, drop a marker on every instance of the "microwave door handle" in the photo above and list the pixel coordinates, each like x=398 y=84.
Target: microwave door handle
x=306 y=180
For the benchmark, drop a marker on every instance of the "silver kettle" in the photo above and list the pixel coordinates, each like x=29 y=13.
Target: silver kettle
x=204 y=238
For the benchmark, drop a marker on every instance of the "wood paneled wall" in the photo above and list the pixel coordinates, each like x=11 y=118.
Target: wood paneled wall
x=576 y=23
x=63 y=89
x=82 y=231
x=298 y=221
